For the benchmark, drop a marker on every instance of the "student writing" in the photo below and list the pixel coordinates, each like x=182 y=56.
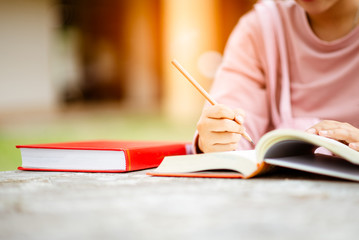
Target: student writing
x=287 y=64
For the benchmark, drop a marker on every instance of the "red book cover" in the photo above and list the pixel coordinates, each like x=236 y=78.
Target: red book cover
x=198 y=174
x=98 y=156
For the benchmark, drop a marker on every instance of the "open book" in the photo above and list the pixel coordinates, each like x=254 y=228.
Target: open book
x=285 y=148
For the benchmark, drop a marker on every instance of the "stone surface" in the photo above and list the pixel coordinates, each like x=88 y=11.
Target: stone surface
x=285 y=205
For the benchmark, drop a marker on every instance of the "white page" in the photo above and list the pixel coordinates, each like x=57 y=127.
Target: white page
x=73 y=159
x=321 y=164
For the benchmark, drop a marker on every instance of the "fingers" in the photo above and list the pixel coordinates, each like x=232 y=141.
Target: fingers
x=219 y=135
x=217 y=129
x=216 y=142
x=221 y=147
x=312 y=130
x=336 y=130
x=239 y=116
x=219 y=118
x=224 y=138
x=219 y=112
x=338 y=134
x=354 y=145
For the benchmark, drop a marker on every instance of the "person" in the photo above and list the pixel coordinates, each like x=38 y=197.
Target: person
x=287 y=64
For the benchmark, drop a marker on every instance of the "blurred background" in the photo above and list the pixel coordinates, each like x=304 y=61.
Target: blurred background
x=100 y=69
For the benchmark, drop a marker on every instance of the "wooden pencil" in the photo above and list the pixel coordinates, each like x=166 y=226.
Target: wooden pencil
x=202 y=91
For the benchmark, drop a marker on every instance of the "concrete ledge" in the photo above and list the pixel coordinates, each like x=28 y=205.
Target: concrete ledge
x=286 y=205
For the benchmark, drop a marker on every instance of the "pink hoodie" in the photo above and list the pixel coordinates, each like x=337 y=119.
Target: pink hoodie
x=283 y=75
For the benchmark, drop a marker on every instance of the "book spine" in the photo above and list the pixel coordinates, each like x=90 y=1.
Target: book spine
x=137 y=159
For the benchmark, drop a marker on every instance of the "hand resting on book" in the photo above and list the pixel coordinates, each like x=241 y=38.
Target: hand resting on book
x=339 y=131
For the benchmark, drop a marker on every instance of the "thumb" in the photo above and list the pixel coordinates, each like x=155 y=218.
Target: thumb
x=239 y=115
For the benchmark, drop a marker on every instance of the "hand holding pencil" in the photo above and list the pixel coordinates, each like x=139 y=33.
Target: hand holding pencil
x=220 y=128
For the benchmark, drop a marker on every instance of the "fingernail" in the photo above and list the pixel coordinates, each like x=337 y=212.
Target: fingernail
x=324 y=133
x=311 y=130
x=354 y=145
x=239 y=119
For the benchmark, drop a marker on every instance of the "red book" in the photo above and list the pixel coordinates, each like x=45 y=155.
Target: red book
x=98 y=156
